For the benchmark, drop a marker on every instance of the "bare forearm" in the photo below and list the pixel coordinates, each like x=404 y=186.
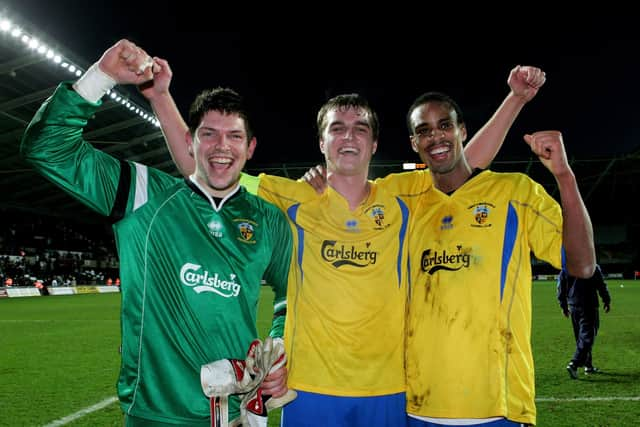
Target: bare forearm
x=577 y=231
x=485 y=144
x=174 y=129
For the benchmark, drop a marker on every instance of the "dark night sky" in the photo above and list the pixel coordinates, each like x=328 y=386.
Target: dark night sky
x=287 y=72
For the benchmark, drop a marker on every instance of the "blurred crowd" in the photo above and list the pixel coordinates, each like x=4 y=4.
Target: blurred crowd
x=54 y=251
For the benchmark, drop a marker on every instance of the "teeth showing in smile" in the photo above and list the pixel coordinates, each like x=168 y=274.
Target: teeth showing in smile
x=440 y=150
x=220 y=160
x=348 y=150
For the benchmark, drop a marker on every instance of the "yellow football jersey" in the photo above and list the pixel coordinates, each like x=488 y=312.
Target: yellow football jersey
x=469 y=324
x=345 y=323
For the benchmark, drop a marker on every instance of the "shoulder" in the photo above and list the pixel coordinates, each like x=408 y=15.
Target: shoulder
x=263 y=207
x=518 y=181
x=146 y=177
x=284 y=191
x=505 y=176
x=403 y=183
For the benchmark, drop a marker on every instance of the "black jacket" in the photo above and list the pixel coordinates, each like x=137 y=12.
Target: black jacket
x=582 y=292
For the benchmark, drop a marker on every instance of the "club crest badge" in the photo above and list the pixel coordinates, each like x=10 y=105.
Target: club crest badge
x=376 y=213
x=481 y=214
x=246 y=230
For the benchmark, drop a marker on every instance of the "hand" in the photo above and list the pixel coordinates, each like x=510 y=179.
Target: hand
x=317 y=178
x=270 y=358
x=549 y=148
x=525 y=81
x=607 y=308
x=224 y=377
x=275 y=384
x=159 y=85
x=126 y=63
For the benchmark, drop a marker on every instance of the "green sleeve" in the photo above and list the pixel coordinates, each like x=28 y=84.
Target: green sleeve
x=54 y=146
x=277 y=273
x=279 y=316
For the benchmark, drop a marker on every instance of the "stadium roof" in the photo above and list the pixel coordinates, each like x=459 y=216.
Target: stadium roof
x=30 y=69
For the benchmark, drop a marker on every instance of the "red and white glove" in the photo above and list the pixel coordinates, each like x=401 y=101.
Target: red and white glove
x=223 y=377
x=262 y=360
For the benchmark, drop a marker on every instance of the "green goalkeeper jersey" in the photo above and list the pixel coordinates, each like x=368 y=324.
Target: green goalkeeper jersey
x=190 y=271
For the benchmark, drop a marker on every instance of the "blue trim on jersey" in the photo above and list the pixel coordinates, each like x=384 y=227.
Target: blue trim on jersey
x=402 y=235
x=292 y=213
x=563 y=255
x=510 y=233
x=414 y=422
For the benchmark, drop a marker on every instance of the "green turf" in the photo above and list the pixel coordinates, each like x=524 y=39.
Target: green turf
x=616 y=353
x=59 y=355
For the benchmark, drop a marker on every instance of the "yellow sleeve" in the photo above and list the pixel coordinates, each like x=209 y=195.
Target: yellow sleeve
x=282 y=192
x=250 y=182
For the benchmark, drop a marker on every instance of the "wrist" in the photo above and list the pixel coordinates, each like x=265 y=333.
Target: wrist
x=93 y=84
x=158 y=98
x=519 y=99
x=565 y=178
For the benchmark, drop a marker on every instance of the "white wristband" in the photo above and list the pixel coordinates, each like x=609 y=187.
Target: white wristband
x=93 y=84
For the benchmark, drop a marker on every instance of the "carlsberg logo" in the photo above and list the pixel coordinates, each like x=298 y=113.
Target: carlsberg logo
x=203 y=281
x=435 y=261
x=339 y=255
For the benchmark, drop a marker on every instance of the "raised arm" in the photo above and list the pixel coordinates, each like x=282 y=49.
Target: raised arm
x=172 y=124
x=524 y=81
x=53 y=141
x=577 y=231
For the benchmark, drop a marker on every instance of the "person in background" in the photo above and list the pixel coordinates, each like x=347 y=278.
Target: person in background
x=578 y=299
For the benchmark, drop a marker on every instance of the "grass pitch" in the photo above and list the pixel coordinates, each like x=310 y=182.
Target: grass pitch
x=59 y=360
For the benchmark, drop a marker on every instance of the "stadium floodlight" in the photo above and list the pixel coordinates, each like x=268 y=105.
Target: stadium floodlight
x=5 y=25
x=34 y=44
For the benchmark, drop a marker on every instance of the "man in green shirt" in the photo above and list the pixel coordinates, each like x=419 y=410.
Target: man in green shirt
x=192 y=251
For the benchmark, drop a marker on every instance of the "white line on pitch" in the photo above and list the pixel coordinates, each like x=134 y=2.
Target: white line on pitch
x=81 y=413
x=585 y=399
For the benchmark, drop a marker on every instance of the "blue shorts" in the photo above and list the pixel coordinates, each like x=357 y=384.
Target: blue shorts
x=321 y=410
x=414 y=422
